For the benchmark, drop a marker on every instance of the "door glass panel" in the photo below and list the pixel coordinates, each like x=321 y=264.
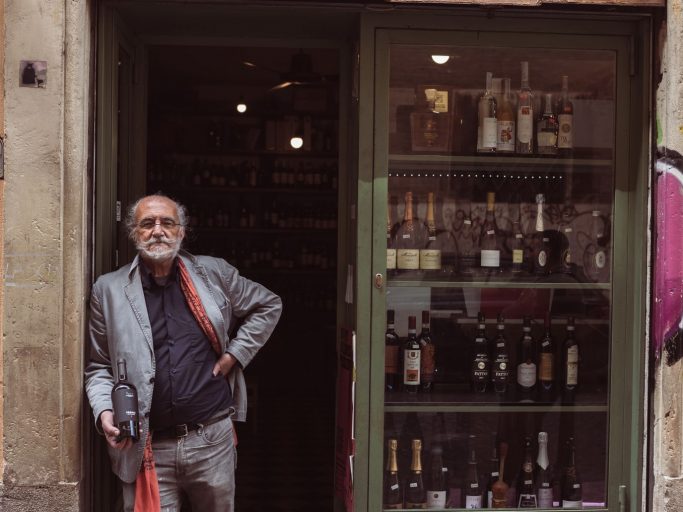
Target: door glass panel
x=499 y=256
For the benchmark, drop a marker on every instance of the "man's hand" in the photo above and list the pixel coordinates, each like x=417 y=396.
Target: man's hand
x=224 y=364
x=111 y=433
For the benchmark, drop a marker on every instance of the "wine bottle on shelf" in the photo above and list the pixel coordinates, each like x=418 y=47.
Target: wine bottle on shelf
x=487 y=127
x=505 y=142
x=500 y=488
x=494 y=473
x=392 y=495
x=391 y=243
x=430 y=253
x=570 y=364
x=524 y=144
x=595 y=257
x=526 y=363
x=572 y=495
x=566 y=237
x=481 y=363
x=501 y=359
x=408 y=239
x=436 y=488
x=472 y=490
x=415 y=495
x=392 y=350
x=546 y=129
x=124 y=397
x=565 y=121
x=544 y=477
x=541 y=241
x=519 y=264
x=411 y=358
x=446 y=241
x=427 y=355
x=489 y=238
x=526 y=491
x=546 y=367
x=468 y=244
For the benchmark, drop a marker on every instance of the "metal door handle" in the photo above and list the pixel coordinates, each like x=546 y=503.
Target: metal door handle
x=379 y=281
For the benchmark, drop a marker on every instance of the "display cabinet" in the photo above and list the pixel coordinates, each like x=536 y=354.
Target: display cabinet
x=500 y=330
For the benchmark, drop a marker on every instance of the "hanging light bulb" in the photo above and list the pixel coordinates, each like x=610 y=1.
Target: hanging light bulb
x=440 y=59
x=297 y=140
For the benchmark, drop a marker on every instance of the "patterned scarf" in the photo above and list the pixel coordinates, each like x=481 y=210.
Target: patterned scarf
x=146 y=483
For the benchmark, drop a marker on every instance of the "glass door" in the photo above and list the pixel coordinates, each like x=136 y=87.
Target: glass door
x=503 y=249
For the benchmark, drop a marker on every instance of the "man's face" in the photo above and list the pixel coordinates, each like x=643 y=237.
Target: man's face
x=158 y=235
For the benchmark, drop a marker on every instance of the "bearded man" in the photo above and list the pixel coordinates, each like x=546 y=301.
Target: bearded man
x=171 y=316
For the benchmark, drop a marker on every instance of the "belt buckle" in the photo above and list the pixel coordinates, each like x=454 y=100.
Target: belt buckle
x=181 y=430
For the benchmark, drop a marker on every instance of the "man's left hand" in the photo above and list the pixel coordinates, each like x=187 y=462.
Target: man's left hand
x=224 y=364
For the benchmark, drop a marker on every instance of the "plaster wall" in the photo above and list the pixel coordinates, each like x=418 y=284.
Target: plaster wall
x=666 y=489
x=45 y=246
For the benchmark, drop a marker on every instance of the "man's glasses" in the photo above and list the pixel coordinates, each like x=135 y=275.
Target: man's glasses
x=165 y=223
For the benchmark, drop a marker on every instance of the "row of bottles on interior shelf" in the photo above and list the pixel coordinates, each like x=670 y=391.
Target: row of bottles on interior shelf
x=275 y=216
x=509 y=125
x=534 y=485
x=544 y=369
x=479 y=247
x=244 y=173
x=273 y=255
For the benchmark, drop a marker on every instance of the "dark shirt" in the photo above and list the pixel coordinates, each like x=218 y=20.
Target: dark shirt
x=185 y=390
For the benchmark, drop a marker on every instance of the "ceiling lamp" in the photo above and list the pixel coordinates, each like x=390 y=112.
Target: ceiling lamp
x=440 y=59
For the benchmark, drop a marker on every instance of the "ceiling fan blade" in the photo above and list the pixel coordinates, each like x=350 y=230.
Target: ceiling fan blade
x=253 y=65
x=280 y=86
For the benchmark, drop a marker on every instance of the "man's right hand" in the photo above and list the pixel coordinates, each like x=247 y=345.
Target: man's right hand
x=111 y=433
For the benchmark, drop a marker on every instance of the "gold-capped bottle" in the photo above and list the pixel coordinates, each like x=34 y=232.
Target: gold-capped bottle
x=392 y=493
x=415 y=495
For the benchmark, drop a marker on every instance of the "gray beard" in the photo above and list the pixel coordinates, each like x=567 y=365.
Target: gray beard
x=159 y=254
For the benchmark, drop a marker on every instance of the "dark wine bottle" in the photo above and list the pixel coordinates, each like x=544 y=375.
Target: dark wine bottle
x=501 y=359
x=526 y=363
x=489 y=243
x=544 y=477
x=541 y=244
x=411 y=358
x=546 y=370
x=570 y=363
x=472 y=491
x=526 y=492
x=416 y=497
x=392 y=492
x=481 y=363
x=495 y=472
x=427 y=355
x=572 y=496
x=392 y=347
x=436 y=490
x=124 y=397
x=500 y=488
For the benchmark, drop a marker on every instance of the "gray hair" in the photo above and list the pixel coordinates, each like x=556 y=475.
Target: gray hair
x=131 y=224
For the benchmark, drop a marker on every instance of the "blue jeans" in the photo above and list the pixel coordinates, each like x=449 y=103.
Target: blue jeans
x=200 y=465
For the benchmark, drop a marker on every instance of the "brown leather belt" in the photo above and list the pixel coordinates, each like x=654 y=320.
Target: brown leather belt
x=184 y=429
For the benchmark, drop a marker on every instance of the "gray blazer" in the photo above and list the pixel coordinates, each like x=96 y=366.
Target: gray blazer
x=119 y=327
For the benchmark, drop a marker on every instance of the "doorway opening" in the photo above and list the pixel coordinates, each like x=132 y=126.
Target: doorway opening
x=222 y=125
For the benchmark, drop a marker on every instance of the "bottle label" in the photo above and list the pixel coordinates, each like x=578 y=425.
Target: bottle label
x=427 y=362
x=545 y=496
x=391 y=359
x=436 y=499
x=517 y=256
x=542 y=258
x=565 y=138
x=489 y=499
x=545 y=372
x=527 y=501
x=391 y=259
x=573 y=365
x=546 y=139
x=490 y=258
x=480 y=368
x=408 y=259
x=572 y=504
x=506 y=136
x=430 y=259
x=489 y=133
x=525 y=124
x=472 y=501
x=526 y=375
x=600 y=259
x=411 y=367
x=501 y=372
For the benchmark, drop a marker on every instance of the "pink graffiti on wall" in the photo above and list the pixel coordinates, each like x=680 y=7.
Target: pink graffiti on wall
x=668 y=261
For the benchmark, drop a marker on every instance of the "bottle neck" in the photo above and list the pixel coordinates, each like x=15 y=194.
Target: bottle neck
x=392 y=463
x=542 y=459
x=408 y=216
x=539 y=217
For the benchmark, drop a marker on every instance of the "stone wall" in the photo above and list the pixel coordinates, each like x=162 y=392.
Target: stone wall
x=45 y=253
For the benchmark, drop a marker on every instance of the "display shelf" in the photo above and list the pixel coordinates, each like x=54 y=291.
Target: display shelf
x=445 y=161
x=497 y=283
x=255 y=153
